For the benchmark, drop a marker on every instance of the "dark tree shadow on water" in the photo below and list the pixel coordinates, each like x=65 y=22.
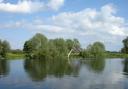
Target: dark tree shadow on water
x=125 y=68
x=95 y=65
x=4 y=68
x=39 y=69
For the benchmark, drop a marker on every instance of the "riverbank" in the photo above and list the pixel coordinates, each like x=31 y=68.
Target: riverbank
x=116 y=55
x=15 y=55
x=112 y=55
x=108 y=55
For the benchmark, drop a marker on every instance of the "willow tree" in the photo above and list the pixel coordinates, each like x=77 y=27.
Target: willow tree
x=4 y=48
x=96 y=50
x=125 y=47
x=36 y=46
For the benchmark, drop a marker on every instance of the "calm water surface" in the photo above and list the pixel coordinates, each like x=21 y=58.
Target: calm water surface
x=51 y=74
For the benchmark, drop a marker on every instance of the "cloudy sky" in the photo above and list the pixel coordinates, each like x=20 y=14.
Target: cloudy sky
x=86 y=20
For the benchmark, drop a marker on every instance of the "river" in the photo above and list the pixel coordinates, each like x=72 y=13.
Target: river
x=61 y=74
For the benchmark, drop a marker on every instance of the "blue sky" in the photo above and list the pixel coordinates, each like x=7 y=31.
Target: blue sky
x=86 y=20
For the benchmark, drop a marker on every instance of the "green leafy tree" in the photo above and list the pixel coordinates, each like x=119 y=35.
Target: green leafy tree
x=4 y=48
x=96 y=50
x=1 y=47
x=36 y=46
x=40 y=47
x=70 y=44
x=125 y=43
x=61 y=46
x=77 y=46
x=28 y=49
x=77 y=43
x=38 y=41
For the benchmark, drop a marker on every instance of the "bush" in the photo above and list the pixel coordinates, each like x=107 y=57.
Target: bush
x=96 y=50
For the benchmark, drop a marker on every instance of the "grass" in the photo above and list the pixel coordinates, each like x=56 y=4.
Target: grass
x=116 y=55
x=15 y=55
x=108 y=55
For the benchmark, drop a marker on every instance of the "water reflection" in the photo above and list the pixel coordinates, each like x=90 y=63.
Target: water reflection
x=39 y=69
x=60 y=74
x=125 y=68
x=95 y=65
x=4 y=68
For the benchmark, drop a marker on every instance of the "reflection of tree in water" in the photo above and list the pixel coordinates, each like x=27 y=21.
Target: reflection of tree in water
x=4 y=68
x=39 y=69
x=125 y=69
x=96 y=65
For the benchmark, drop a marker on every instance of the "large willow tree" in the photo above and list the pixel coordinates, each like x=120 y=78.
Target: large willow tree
x=40 y=47
x=4 y=48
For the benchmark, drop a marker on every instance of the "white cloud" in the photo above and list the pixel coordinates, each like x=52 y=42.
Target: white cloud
x=107 y=10
x=88 y=25
x=47 y=28
x=55 y=4
x=29 y=6
x=90 y=20
x=91 y=25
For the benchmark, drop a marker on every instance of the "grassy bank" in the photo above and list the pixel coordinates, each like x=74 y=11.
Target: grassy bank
x=116 y=55
x=108 y=55
x=15 y=55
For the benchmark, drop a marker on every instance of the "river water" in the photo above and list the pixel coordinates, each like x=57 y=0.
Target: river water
x=61 y=74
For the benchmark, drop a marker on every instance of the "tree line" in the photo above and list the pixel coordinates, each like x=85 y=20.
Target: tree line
x=39 y=46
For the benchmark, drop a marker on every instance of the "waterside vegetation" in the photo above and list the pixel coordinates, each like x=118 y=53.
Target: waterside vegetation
x=40 y=47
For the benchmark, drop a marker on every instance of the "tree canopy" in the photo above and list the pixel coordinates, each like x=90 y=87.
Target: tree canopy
x=96 y=50
x=125 y=43
x=40 y=47
x=4 y=48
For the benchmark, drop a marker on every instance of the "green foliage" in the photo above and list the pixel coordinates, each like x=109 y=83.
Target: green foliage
x=125 y=43
x=96 y=50
x=28 y=48
x=69 y=43
x=36 y=46
x=61 y=46
x=116 y=55
x=40 y=47
x=77 y=43
x=14 y=55
x=4 y=48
